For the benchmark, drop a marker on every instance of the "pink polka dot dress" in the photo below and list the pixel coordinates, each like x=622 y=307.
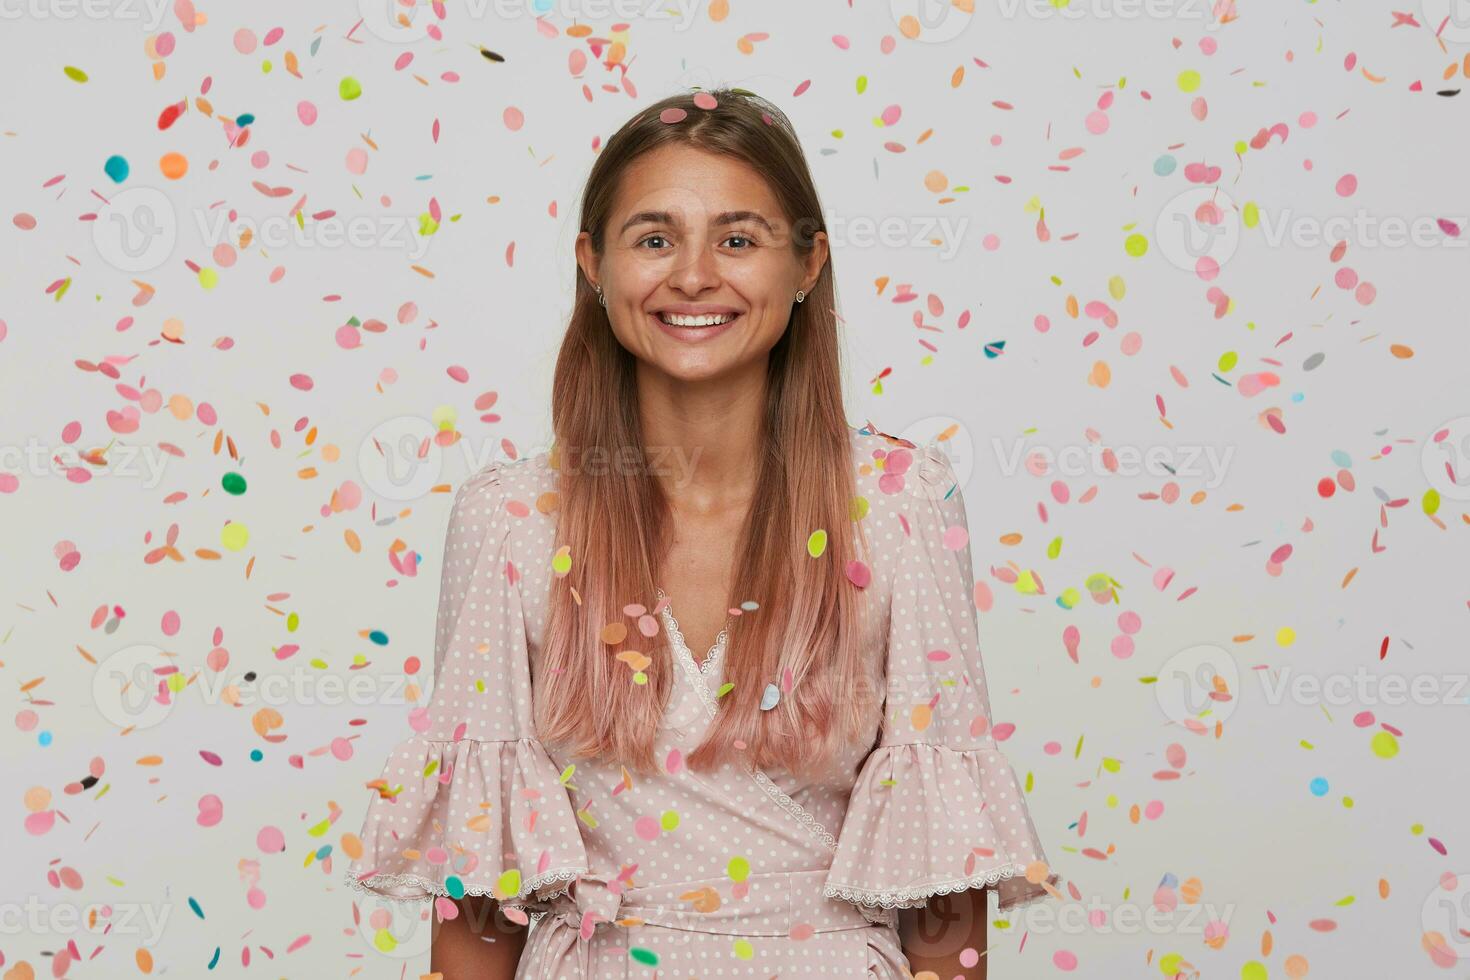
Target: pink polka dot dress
x=739 y=873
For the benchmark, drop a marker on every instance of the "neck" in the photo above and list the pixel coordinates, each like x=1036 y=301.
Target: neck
x=704 y=436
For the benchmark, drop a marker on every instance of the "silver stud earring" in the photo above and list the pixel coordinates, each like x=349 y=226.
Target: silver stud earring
x=601 y=299
x=800 y=295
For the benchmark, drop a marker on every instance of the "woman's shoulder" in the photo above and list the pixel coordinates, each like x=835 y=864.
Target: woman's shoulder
x=514 y=494
x=891 y=467
x=507 y=479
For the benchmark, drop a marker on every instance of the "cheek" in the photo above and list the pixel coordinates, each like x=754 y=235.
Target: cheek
x=768 y=281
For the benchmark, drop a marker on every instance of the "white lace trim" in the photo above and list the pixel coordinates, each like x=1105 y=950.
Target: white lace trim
x=903 y=898
x=768 y=785
x=714 y=652
x=520 y=899
x=805 y=818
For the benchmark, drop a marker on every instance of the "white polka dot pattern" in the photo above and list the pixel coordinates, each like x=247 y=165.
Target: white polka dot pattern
x=475 y=802
x=475 y=794
x=936 y=808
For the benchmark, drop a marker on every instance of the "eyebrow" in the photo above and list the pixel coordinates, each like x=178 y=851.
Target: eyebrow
x=723 y=218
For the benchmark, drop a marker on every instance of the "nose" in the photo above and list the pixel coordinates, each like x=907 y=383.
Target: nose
x=698 y=270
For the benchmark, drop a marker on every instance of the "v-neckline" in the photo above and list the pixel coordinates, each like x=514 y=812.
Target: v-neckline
x=681 y=646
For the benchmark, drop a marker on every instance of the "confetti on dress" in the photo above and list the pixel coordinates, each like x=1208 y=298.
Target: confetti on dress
x=828 y=859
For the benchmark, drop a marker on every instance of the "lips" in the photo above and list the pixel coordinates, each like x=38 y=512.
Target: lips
x=695 y=334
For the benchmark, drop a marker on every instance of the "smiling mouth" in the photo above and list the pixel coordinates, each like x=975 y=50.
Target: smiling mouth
x=696 y=322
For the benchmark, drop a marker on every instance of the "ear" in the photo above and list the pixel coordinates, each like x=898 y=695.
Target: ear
x=814 y=260
x=587 y=259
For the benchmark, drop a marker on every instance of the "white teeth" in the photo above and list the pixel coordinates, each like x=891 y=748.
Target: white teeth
x=676 y=320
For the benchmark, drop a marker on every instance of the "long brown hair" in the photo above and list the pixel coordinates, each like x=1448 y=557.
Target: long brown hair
x=806 y=635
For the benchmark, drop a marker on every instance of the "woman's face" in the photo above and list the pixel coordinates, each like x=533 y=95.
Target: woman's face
x=694 y=233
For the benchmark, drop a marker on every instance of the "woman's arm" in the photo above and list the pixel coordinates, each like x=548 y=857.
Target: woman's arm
x=478 y=944
x=935 y=936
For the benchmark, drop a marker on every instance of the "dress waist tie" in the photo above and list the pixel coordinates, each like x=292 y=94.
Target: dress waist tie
x=784 y=904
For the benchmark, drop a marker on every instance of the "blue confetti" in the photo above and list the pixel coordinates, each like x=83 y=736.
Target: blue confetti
x=116 y=168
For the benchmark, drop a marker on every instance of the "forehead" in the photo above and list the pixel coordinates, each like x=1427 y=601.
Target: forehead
x=693 y=184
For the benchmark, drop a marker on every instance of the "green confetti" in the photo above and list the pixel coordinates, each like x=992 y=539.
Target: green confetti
x=738 y=868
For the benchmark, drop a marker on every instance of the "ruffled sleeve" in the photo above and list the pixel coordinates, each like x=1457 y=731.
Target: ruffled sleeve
x=936 y=807
x=471 y=803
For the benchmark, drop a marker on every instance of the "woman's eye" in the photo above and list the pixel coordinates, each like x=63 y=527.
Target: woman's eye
x=746 y=240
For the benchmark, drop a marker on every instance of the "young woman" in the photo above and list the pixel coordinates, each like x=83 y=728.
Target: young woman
x=765 y=808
